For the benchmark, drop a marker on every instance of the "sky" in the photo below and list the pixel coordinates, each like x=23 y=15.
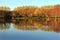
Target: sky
x=15 y=3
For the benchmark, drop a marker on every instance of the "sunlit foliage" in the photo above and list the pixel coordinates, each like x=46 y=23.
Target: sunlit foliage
x=25 y=10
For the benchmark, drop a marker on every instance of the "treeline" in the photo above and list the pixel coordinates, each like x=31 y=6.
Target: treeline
x=46 y=12
x=31 y=11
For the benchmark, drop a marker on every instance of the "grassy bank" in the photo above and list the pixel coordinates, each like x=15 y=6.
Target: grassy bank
x=34 y=18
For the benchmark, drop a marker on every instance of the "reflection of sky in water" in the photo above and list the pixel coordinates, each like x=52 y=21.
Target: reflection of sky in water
x=13 y=34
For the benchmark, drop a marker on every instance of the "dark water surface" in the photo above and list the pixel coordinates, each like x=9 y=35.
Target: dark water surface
x=30 y=30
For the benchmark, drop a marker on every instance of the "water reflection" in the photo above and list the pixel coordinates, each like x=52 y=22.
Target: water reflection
x=55 y=24
x=4 y=26
x=31 y=25
x=28 y=25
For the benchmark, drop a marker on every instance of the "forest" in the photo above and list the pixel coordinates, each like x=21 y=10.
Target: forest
x=51 y=12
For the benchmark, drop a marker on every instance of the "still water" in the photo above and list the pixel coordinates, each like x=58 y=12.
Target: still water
x=30 y=30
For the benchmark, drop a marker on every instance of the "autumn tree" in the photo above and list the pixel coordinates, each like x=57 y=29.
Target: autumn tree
x=25 y=10
x=4 y=8
x=55 y=12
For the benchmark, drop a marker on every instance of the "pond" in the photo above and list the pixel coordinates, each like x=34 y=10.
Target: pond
x=30 y=30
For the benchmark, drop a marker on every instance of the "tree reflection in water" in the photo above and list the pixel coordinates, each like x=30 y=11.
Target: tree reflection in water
x=51 y=25
x=31 y=25
x=4 y=26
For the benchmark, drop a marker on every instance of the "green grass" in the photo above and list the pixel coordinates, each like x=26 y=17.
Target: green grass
x=38 y=18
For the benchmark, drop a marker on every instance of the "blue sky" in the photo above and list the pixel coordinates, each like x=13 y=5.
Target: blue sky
x=14 y=3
